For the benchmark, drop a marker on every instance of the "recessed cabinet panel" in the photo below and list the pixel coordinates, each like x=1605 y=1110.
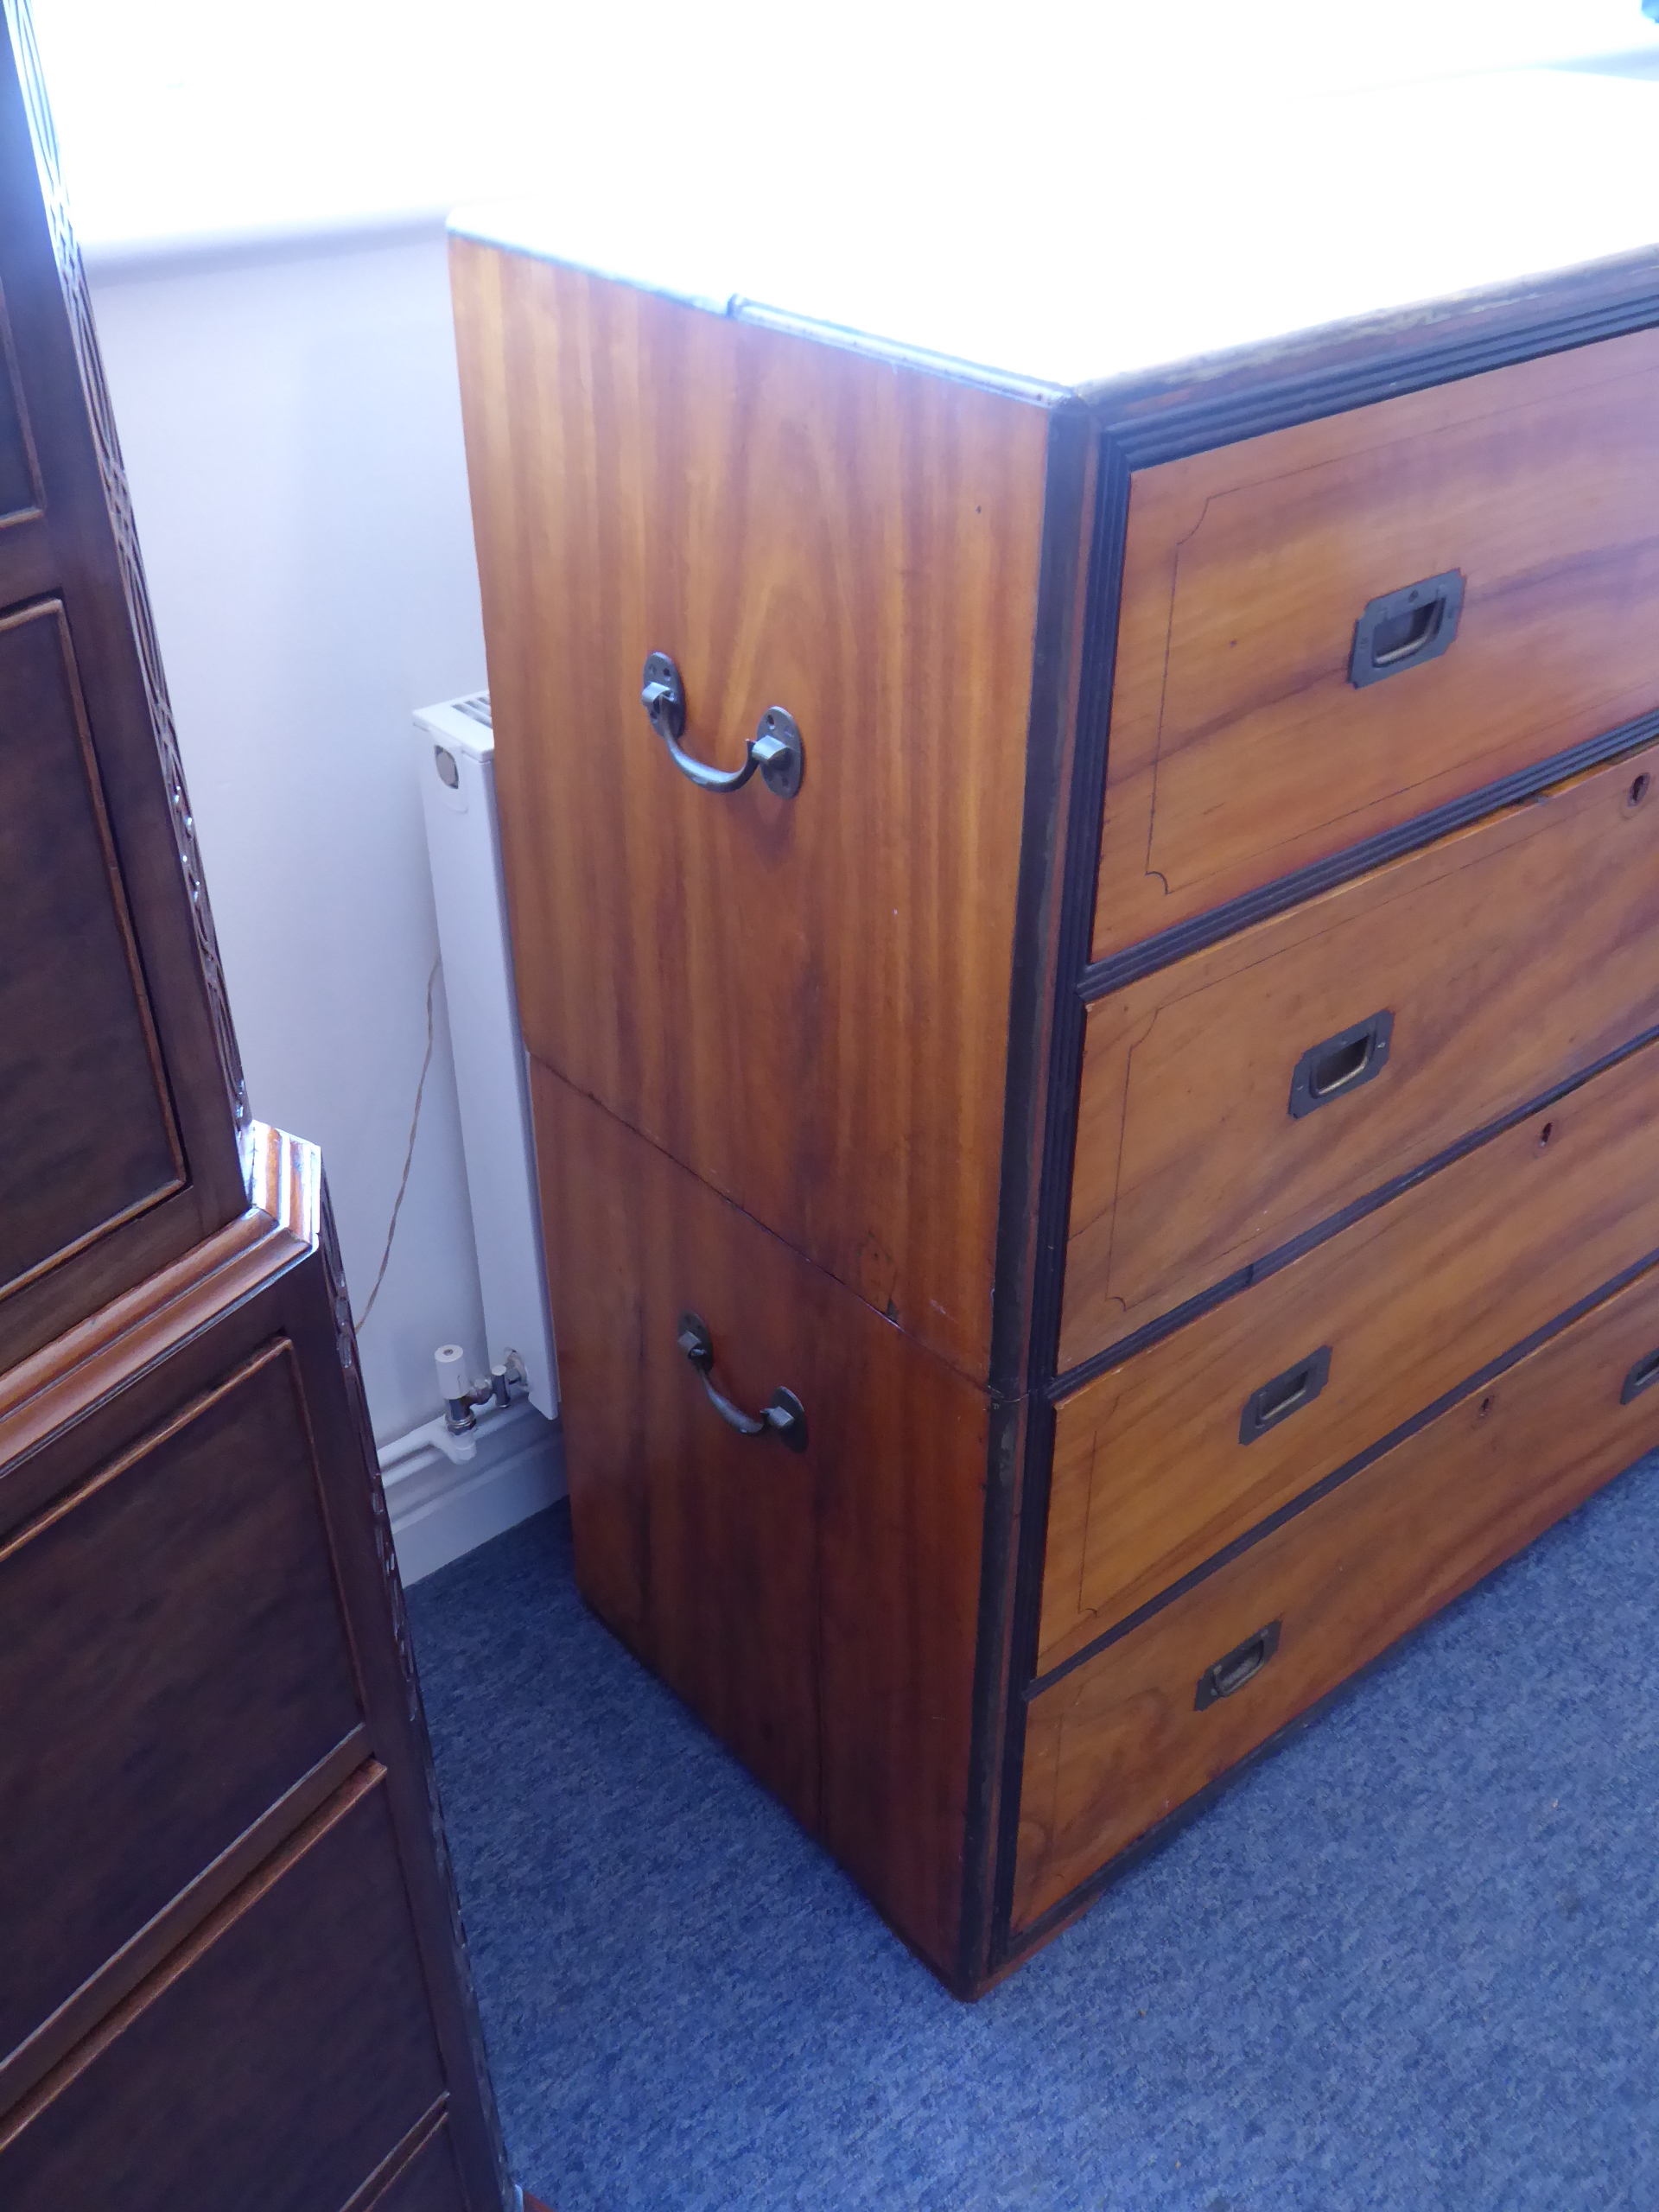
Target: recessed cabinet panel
x=87 y=1138
x=172 y=1661
x=271 y=2067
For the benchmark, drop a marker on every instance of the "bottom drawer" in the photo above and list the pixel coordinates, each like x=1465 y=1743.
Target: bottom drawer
x=279 y=2060
x=1122 y=1740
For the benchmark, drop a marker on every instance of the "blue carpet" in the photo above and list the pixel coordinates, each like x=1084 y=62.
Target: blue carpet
x=1408 y=1962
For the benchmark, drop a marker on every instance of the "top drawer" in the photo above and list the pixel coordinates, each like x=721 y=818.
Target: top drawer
x=1240 y=748
x=805 y=1000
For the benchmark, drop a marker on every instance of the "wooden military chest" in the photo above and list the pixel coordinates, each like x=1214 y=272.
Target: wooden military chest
x=1084 y=936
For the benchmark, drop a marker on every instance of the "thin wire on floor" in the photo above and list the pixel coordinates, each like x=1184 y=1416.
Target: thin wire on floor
x=408 y=1157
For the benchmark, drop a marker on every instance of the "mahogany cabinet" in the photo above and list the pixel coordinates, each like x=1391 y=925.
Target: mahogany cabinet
x=1085 y=934
x=234 y=1970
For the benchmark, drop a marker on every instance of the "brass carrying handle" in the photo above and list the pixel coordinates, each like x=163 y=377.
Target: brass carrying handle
x=783 y=1416
x=775 y=749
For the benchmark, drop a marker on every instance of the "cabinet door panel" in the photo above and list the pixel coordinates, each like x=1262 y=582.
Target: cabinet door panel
x=172 y=1661
x=271 y=2067
x=88 y=1128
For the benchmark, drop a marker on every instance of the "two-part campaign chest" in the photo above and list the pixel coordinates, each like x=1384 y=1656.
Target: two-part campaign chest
x=1086 y=946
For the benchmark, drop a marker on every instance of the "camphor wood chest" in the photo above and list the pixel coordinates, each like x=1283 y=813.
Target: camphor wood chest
x=1116 y=1169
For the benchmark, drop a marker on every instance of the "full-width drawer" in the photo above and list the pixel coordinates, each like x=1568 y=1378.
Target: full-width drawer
x=1234 y=1099
x=1127 y=1735
x=1241 y=748
x=1161 y=1462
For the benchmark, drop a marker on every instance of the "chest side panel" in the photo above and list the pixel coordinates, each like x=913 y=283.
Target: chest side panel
x=805 y=1000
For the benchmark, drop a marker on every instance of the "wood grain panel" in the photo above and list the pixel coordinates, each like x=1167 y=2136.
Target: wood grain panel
x=172 y=1661
x=1238 y=748
x=1113 y=1747
x=804 y=1001
x=89 y=1136
x=1150 y=1478
x=1512 y=956
x=818 y=1611
x=271 y=2064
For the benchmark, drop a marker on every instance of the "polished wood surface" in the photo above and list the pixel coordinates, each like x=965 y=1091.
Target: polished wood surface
x=817 y=1611
x=1150 y=1478
x=807 y=1000
x=1239 y=751
x=1511 y=956
x=421 y=2176
x=1117 y=1744
x=273 y=2062
x=156 y=1751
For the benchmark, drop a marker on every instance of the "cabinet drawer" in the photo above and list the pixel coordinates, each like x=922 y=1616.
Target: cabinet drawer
x=803 y=999
x=1505 y=960
x=818 y=1608
x=173 y=1663
x=276 y=2062
x=1240 y=749
x=1127 y=1735
x=1153 y=1473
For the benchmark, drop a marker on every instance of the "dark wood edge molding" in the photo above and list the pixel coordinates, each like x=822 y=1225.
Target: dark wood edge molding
x=1076 y=926
x=1166 y=1324
x=1349 y=1468
x=1103 y=976
x=72 y=277
x=414 y=1711
x=1165 y=413
x=80 y=2014
x=103 y=1353
x=179 y=1962
x=1032 y=997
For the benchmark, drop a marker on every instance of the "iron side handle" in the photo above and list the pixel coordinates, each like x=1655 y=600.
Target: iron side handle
x=783 y=1416
x=775 y=749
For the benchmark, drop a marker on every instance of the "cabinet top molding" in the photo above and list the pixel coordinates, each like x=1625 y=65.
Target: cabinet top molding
x=1161 y=246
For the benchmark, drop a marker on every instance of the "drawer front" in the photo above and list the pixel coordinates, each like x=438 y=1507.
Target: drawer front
x=1153 y=1474
x=803 y=999
x=1228 y=1104
x=428 y=2182
x=817 y=1608
x=276 y=2063
x=1240 y=749
x=173 y=1663
x=1119 y=1742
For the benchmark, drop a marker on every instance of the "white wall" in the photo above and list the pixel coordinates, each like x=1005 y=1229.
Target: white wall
x=292 y=432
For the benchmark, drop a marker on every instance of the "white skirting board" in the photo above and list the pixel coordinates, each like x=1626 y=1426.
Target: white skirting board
x=440 y=1509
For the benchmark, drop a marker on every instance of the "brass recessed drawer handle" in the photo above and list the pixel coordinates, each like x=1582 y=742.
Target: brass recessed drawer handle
x=783 y=1416
x=1285 y=1395
x=1341 y=1063
x=1404 y=628
x=1239 y=1666
x=775 y=749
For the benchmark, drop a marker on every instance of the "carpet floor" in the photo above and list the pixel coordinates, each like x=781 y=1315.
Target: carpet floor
x=1411 y=1962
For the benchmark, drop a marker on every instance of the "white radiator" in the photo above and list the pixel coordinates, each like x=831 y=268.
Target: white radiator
x=456 y=766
